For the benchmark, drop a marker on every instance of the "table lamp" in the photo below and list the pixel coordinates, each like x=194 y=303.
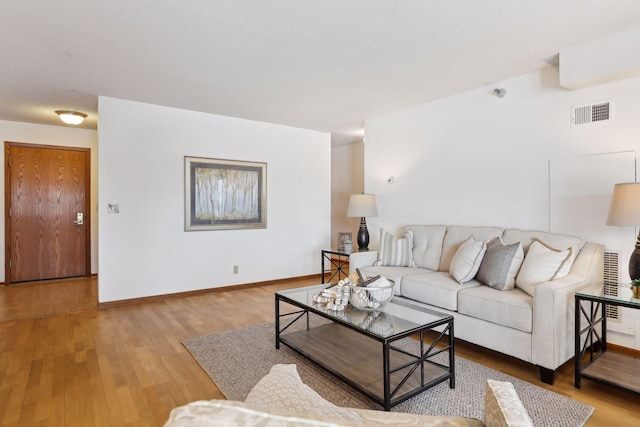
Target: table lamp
x=362 y=205
x=625 y=211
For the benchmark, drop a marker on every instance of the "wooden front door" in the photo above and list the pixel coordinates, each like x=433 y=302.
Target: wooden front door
x=47 y=232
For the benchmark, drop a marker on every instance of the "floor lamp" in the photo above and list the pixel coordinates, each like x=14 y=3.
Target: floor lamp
x=625 y=211
x=362 y=205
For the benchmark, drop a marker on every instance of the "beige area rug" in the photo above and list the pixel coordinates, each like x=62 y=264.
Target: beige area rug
x=237 y=359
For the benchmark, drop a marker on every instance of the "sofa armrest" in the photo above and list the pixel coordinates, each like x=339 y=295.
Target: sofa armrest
x=554 y=308
x=502 y=406
x=362 y=259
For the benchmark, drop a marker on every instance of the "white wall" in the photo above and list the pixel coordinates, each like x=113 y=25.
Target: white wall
x=61 y=136
x=347 y=177
x=475 y=159
x=144 y=249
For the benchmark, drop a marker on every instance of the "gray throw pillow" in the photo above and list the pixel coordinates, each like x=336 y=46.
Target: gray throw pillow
x=500 y=265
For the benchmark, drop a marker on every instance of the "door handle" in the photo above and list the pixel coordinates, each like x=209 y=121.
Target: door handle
x=79 y=218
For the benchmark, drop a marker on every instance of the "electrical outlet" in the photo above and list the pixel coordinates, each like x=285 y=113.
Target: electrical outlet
x=235 y=269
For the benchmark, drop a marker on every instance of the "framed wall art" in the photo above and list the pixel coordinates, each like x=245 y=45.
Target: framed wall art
x=224 y=194
x=343 y=237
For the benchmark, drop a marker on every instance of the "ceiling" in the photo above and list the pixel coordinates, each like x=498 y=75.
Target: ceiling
x=326 y=64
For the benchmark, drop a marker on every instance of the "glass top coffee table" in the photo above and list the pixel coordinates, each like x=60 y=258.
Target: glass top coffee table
x=370 y=350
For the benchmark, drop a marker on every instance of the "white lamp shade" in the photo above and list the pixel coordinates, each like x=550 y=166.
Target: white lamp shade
x=625 y=205
x=362 y=205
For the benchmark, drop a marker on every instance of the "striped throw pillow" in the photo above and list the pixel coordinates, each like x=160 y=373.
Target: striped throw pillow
x=395 y=251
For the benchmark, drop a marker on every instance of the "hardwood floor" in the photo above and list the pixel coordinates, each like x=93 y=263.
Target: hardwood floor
x=65 y=362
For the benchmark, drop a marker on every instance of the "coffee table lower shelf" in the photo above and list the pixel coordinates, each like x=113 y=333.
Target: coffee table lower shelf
x=359 y=361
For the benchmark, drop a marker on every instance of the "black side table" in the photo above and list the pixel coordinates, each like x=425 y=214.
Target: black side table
x=335 y=263
x=592 y=360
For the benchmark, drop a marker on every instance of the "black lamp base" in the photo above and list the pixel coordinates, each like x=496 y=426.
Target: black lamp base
x=363 y=236
x=634 y=261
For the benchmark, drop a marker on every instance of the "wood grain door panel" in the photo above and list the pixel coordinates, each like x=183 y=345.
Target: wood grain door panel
x=47 y=191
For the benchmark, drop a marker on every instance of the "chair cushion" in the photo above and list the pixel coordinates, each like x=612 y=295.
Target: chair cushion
x=283 y=388
x=232 y=413
x=502 y=406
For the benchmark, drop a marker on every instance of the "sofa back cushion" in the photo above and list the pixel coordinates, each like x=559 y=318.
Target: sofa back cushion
x=456 y=235
x=427 y=244
x=557 y=241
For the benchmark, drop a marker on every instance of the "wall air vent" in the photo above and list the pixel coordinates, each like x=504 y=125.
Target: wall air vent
x=611 y=259
x=591 y=113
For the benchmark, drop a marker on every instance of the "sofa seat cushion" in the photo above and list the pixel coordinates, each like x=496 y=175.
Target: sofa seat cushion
x=395 y=274
x=436 y=288
x=513 y=309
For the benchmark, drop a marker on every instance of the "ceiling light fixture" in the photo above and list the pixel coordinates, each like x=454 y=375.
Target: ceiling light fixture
x=71 y=117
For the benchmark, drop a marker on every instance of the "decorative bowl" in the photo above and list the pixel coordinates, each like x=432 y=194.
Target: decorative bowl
x=371 y=298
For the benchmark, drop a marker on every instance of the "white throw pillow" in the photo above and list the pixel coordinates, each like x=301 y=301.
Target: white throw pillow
x=566 y=265
x=541 y=264
x=466 y=261
x=394 y=251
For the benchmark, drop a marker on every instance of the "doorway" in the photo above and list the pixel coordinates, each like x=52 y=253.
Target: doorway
x=47 y=221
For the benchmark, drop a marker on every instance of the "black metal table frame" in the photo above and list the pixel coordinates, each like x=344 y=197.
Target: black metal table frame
x=418 y=360
x=342 y=258
x=596 y=341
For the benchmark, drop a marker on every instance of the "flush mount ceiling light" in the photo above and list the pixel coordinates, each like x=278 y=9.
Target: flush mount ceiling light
x=71 y=117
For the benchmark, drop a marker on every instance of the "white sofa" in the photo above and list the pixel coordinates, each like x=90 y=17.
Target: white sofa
x=281 y=399
x=534 y=321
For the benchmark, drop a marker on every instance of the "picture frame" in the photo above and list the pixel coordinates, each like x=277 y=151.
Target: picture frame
x=343 y=237
x=224 y=194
